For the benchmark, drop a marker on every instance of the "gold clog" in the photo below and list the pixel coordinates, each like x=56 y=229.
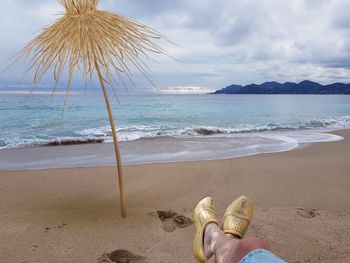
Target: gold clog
x=238 y=217
x=204 y=213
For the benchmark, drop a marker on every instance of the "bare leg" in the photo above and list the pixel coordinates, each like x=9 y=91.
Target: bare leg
x=212 y=260
x=226 y=248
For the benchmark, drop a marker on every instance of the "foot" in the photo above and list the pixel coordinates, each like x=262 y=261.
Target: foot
x=204 y=214
x=213 y=239
x=218 y=245
x=238 y=216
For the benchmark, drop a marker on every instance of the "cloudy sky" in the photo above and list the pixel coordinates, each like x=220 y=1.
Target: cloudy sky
x=219 y=42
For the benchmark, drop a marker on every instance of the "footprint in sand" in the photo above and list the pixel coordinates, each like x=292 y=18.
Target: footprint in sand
x=171 y=220
x=121 y=256
x=33 y=248
x=307 y=213
x=169 y=226
x=48 y=229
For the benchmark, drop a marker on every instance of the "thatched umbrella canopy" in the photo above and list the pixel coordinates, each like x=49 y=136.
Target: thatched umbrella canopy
x=93 y=42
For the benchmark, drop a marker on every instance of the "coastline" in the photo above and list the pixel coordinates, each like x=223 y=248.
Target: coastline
x=301 y=206
x=157 y=150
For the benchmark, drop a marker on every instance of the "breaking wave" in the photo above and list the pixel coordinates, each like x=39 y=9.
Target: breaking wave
x=136 y=132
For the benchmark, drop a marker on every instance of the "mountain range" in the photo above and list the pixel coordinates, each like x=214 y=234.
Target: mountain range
x=273 y=87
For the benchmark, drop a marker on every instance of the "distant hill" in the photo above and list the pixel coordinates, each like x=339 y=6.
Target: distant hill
x=304 y=87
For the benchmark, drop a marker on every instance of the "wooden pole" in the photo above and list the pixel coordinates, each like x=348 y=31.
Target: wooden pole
x=116 y=146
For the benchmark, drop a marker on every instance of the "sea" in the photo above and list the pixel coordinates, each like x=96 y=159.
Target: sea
x=156 y=128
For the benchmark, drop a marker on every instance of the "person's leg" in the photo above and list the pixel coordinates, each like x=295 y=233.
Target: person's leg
x=211 y=244
x=226 y=248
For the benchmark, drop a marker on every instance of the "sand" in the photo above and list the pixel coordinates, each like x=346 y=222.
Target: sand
x=301 y=197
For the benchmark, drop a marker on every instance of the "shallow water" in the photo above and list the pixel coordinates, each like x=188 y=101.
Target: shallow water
x=182 y=127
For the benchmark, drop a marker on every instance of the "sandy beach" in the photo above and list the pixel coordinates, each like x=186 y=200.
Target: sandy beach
x=301 y=197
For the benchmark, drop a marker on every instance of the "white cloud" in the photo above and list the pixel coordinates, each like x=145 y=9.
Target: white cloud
x=219 y=42
x=186 y=90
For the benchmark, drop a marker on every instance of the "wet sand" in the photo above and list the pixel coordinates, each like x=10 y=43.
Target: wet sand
x=301 y=198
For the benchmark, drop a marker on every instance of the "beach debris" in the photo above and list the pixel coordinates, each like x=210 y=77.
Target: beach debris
x=121 y=256
x=307 y=213
x=180 y=220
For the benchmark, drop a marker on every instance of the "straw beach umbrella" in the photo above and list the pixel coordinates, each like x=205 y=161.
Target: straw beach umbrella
x=93 y=41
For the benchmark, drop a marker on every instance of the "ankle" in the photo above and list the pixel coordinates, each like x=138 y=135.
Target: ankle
x=211 y=235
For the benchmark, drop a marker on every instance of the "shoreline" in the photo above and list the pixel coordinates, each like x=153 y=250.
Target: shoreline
x=159 y=150
x=72 y=215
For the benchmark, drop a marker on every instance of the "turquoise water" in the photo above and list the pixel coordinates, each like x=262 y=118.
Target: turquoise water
x=162 y=128
x=37 y=121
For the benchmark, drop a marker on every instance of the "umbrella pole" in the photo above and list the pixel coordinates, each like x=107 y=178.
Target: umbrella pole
x=116 y=146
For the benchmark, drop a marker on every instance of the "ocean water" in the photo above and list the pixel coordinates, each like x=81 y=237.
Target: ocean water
x=175 y=127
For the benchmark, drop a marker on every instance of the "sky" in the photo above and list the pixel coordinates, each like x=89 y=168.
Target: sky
x=218 y=42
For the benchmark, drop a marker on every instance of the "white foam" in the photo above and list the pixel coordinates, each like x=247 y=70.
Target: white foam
x=303 y=137
x=305 y=132
x=160 y=150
